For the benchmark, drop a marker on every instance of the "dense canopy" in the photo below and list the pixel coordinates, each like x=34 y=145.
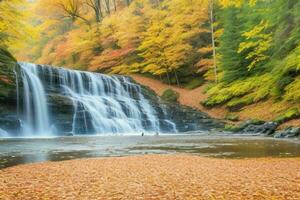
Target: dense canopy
x=255 y=42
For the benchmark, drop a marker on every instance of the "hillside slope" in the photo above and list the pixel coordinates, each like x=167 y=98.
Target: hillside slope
x=192 y=98
x=187 y=97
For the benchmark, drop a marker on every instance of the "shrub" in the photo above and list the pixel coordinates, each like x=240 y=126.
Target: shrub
x=290 y=114
x=232 y=128
x=194 y=83
x=232 y=117
x=170 y=95
x=292 y=91
x=240 y=92
x=239 y=102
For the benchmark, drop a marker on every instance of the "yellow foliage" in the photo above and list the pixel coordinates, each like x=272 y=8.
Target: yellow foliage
x=146 y=36
x=257 y=42
x=292 y=91
x=228 y=3
x=12 y=30
x=236 y=3
x=205 y=50
x=250 y=90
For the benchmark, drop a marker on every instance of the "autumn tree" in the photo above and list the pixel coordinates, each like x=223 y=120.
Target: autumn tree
x=97 y=7
x=72 y=9
x=11 y=28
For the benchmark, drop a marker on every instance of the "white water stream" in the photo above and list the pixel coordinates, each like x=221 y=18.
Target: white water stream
x=104 y=104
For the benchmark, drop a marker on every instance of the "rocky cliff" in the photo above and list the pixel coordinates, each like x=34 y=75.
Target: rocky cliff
x=9 y=120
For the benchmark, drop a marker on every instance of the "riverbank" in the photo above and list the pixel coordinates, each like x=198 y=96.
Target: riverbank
x=154 y=177
x=192 y=98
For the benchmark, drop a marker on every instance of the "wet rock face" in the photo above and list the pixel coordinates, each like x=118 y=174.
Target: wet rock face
x=62 y=110
x=288 y=133
x=189 y=119
x=8 y=99
x=185 y=118
x=267 y=128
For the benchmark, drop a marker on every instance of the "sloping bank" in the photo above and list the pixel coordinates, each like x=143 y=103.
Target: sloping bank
x=251 y=120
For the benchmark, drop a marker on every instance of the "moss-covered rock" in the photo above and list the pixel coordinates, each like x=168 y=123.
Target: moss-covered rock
x=8 y=99
x=170 y=95
x=244 y=125
x=7 y=76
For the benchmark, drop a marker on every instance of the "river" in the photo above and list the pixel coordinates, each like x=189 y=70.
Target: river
x=15 y=151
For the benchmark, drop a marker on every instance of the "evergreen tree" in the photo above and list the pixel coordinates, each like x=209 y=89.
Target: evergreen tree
x=232 y=62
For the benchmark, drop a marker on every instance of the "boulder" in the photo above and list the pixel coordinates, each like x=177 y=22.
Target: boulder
x=268 y=128
x=288 y=133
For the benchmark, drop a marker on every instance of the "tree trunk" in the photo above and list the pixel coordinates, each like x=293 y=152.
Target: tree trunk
x=99 y=15
x=115 y=5
x=100 y=9
x=128 y=2
x=169 y=82
x=213 y=39
x=96 y=6
x=177 y=80
x=107 y=4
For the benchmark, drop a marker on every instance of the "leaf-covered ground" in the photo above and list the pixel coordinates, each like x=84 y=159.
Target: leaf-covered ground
x=154 y=177
x=193 y=98
x=187 y=97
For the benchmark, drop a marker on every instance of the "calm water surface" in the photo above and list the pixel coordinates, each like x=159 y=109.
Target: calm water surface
x=29 y=150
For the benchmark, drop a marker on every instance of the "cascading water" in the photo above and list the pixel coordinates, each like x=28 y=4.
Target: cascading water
x=101 y=104
x=36 y=120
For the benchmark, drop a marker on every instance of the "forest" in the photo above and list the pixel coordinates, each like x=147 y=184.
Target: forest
x=150 y=99
x=243 y=51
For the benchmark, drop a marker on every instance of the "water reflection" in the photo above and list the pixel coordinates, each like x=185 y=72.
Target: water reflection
x=21 y=151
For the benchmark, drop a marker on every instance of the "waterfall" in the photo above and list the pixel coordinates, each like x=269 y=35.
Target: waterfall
x=101 y=104
x=36 y=113
x=3 y=133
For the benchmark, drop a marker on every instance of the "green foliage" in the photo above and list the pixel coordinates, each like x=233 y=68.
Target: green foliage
x=256 y=45
x=6 y=59
x=290 y=114
x=232 y=128
x=170 y=95
x=232 y=117
x=231 y=60
x=245 y=91
x=238 y=102
x=259 y=53
x=194 y=83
